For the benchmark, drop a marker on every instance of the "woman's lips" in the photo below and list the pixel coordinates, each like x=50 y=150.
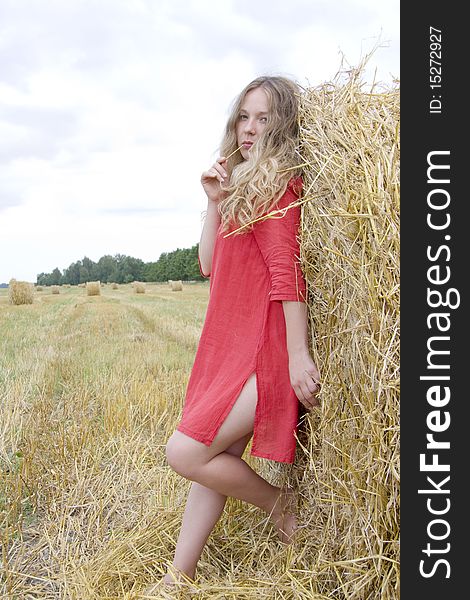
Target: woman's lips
x=247 y=144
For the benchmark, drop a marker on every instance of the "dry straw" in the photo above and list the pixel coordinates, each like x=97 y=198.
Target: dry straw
x=55 y=289
x=139 y=287
x=93 y=288
x=234 y=152
x=177 y=286
x=349 y=251
x=114 y=286
x=20 y=292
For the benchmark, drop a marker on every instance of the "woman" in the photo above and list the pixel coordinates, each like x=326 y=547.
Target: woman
x=253 y=364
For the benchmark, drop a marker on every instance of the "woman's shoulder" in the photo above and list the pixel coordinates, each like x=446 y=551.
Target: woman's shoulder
x=295 y=185
x=292 y=192
x=288 y=197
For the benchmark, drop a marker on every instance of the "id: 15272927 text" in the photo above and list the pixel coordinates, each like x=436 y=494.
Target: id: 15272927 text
x=435 y=70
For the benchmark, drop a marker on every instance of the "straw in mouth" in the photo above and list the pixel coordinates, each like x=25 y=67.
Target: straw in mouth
x=232 y=153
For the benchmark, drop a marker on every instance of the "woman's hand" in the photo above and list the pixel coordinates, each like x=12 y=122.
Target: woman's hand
x=213 y=178
x=305 y=379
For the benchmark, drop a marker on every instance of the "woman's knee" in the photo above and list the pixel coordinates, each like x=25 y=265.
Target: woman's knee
x=181 y=456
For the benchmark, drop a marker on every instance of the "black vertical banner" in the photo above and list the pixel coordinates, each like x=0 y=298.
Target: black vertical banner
x=435 y=242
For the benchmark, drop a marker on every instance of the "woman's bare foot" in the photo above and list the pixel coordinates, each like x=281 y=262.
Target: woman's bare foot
x=283 y=516
x=157 y=590
x=173 y=580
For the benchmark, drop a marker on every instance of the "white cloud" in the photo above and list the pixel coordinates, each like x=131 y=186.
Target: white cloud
x=111 y=109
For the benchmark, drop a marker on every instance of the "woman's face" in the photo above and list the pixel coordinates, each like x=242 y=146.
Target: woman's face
x=254 y=114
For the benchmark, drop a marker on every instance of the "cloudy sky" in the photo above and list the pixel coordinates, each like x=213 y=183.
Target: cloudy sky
x=111 y=109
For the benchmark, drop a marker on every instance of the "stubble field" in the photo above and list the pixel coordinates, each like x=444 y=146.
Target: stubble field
x=91 y=387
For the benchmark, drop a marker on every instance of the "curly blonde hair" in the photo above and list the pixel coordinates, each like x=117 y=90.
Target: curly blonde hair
x=254 y=185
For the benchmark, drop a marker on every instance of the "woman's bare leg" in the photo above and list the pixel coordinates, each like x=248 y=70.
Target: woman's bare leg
x=220 y=472
x=226 y=473
x=203 y=509
x=231 y=476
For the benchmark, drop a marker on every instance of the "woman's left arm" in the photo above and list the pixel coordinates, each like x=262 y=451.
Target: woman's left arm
x=279 y=246
x=304 y=375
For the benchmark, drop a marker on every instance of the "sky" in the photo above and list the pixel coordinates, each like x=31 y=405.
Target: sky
x=110 y=110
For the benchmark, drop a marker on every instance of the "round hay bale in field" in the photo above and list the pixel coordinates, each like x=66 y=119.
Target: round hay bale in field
x=93 y=288
x=114 y=286
x=55 y=289
x=177 y=286
x=139 y=287
x=349 y=252
x=39 y=288
x=20 y=292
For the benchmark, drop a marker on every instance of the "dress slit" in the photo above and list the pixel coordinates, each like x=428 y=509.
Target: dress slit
x=232 y=403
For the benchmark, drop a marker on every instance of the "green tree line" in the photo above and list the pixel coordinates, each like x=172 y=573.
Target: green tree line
x=182 y=264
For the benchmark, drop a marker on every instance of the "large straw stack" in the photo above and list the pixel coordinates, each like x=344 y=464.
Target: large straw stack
x=349 y=471
x=139 y=287
x=93 y=288
x=20 y=292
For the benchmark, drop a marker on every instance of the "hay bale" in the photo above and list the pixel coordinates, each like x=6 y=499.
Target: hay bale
x=139 y=287
x=177 y=286
x=93 y=288
x=349 y=251
x=114 y=286
x=20 y=292
x=55 y=289
x=39 y=288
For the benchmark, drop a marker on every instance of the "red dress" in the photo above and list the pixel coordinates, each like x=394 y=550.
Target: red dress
x=244 y=332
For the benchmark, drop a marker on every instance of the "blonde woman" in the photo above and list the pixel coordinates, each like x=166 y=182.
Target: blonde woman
x=252 y=365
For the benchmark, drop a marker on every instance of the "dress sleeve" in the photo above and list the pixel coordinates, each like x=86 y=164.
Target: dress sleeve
x=278 y=243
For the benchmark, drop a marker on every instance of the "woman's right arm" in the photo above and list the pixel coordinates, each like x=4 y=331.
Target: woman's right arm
x=211 y=180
